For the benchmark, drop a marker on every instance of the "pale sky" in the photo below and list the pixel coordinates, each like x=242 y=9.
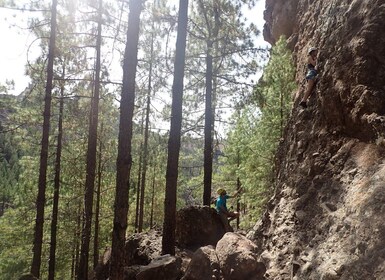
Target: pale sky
x=14 y=49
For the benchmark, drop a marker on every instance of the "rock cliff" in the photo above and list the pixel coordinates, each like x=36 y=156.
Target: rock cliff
x=326 y=218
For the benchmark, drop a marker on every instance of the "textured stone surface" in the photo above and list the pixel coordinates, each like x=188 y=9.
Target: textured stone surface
x=238 y=259
x=204 y=265
x=142 y=248
x=165 y=267
x=325 y=220
x=198 y=226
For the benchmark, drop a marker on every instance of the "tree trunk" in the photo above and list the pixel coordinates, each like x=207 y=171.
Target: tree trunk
x=97 y=206
x=55 y=206
x=40 y=201
x=209 y=111
x=168 y=240
x=145 y=140
x=76 y=249
x=91 y=158
x=208 y=149
x=137 y=209
x=152 y=199
x=124 y=159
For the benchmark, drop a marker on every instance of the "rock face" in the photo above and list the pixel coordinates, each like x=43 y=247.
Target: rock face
x=325 y=220
x=198 y=226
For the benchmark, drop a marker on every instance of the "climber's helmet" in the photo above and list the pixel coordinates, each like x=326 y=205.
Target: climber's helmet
x=221 y=191
x=311 y=49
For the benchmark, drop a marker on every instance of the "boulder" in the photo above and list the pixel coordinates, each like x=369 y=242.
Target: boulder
x=238 y=259
x=102 y=269
x=165 y=267
x=142 y=248
x=197 y=227
x=28 y=277
x=204 y=265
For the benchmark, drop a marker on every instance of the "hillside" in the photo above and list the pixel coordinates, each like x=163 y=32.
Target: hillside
x=325 y=220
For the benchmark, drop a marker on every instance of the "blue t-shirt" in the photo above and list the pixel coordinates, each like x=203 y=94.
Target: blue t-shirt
x=221 y=202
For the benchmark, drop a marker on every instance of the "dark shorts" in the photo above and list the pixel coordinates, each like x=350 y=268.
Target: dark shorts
x=311 y=74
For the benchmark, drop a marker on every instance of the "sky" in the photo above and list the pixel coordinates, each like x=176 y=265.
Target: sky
x=18 y=45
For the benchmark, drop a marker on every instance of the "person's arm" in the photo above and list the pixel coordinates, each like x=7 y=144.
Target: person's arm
x=235 y=194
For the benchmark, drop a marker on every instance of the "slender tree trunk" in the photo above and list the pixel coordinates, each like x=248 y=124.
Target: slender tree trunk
x=238 y=188
x=77 y=235
x=124 y=159
x=139 y=178
x=209 y=112
x=55 y=206
x=208 y=149
x=168 y=240
x=145 y=140
x=137 y=209
x=91 y=157
x=40 y=201
x=152 y=199
x=97 y=206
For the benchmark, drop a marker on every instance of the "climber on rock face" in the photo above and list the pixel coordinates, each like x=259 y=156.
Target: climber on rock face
x=225 y=215
x=311 y=75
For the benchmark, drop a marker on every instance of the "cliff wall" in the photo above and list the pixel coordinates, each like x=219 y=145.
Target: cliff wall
x=326 y=219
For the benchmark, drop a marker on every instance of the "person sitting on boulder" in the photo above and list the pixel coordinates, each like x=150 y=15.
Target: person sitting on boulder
x=311 y=75
x=225 y=215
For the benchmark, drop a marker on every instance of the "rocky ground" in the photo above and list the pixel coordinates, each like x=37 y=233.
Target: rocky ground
x=204 y=252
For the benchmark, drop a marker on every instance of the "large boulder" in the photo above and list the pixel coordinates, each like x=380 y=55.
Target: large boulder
x=238 y=259
x=142 y=248
x=165 y=267
x=204 y=265
x=28 y=277
x=198 y=226
x=102 y=269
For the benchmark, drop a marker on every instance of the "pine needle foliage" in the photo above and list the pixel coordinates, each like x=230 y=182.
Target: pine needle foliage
x=258 y=129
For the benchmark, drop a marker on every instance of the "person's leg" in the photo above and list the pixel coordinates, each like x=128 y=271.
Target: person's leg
x=225 y=222
x=233 y=215
x=309 y=88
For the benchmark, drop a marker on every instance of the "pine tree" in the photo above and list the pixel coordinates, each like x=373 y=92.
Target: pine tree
x=253 y=140
x=40 y=201
x=168 y=239
x=124 y=160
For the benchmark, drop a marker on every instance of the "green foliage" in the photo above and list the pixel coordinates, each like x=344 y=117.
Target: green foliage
x=253 y=140
x=15 y=242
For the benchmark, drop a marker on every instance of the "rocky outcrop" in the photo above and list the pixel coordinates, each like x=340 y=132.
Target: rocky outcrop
x=233 y=258
x=196 y=227
x=325 y=220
